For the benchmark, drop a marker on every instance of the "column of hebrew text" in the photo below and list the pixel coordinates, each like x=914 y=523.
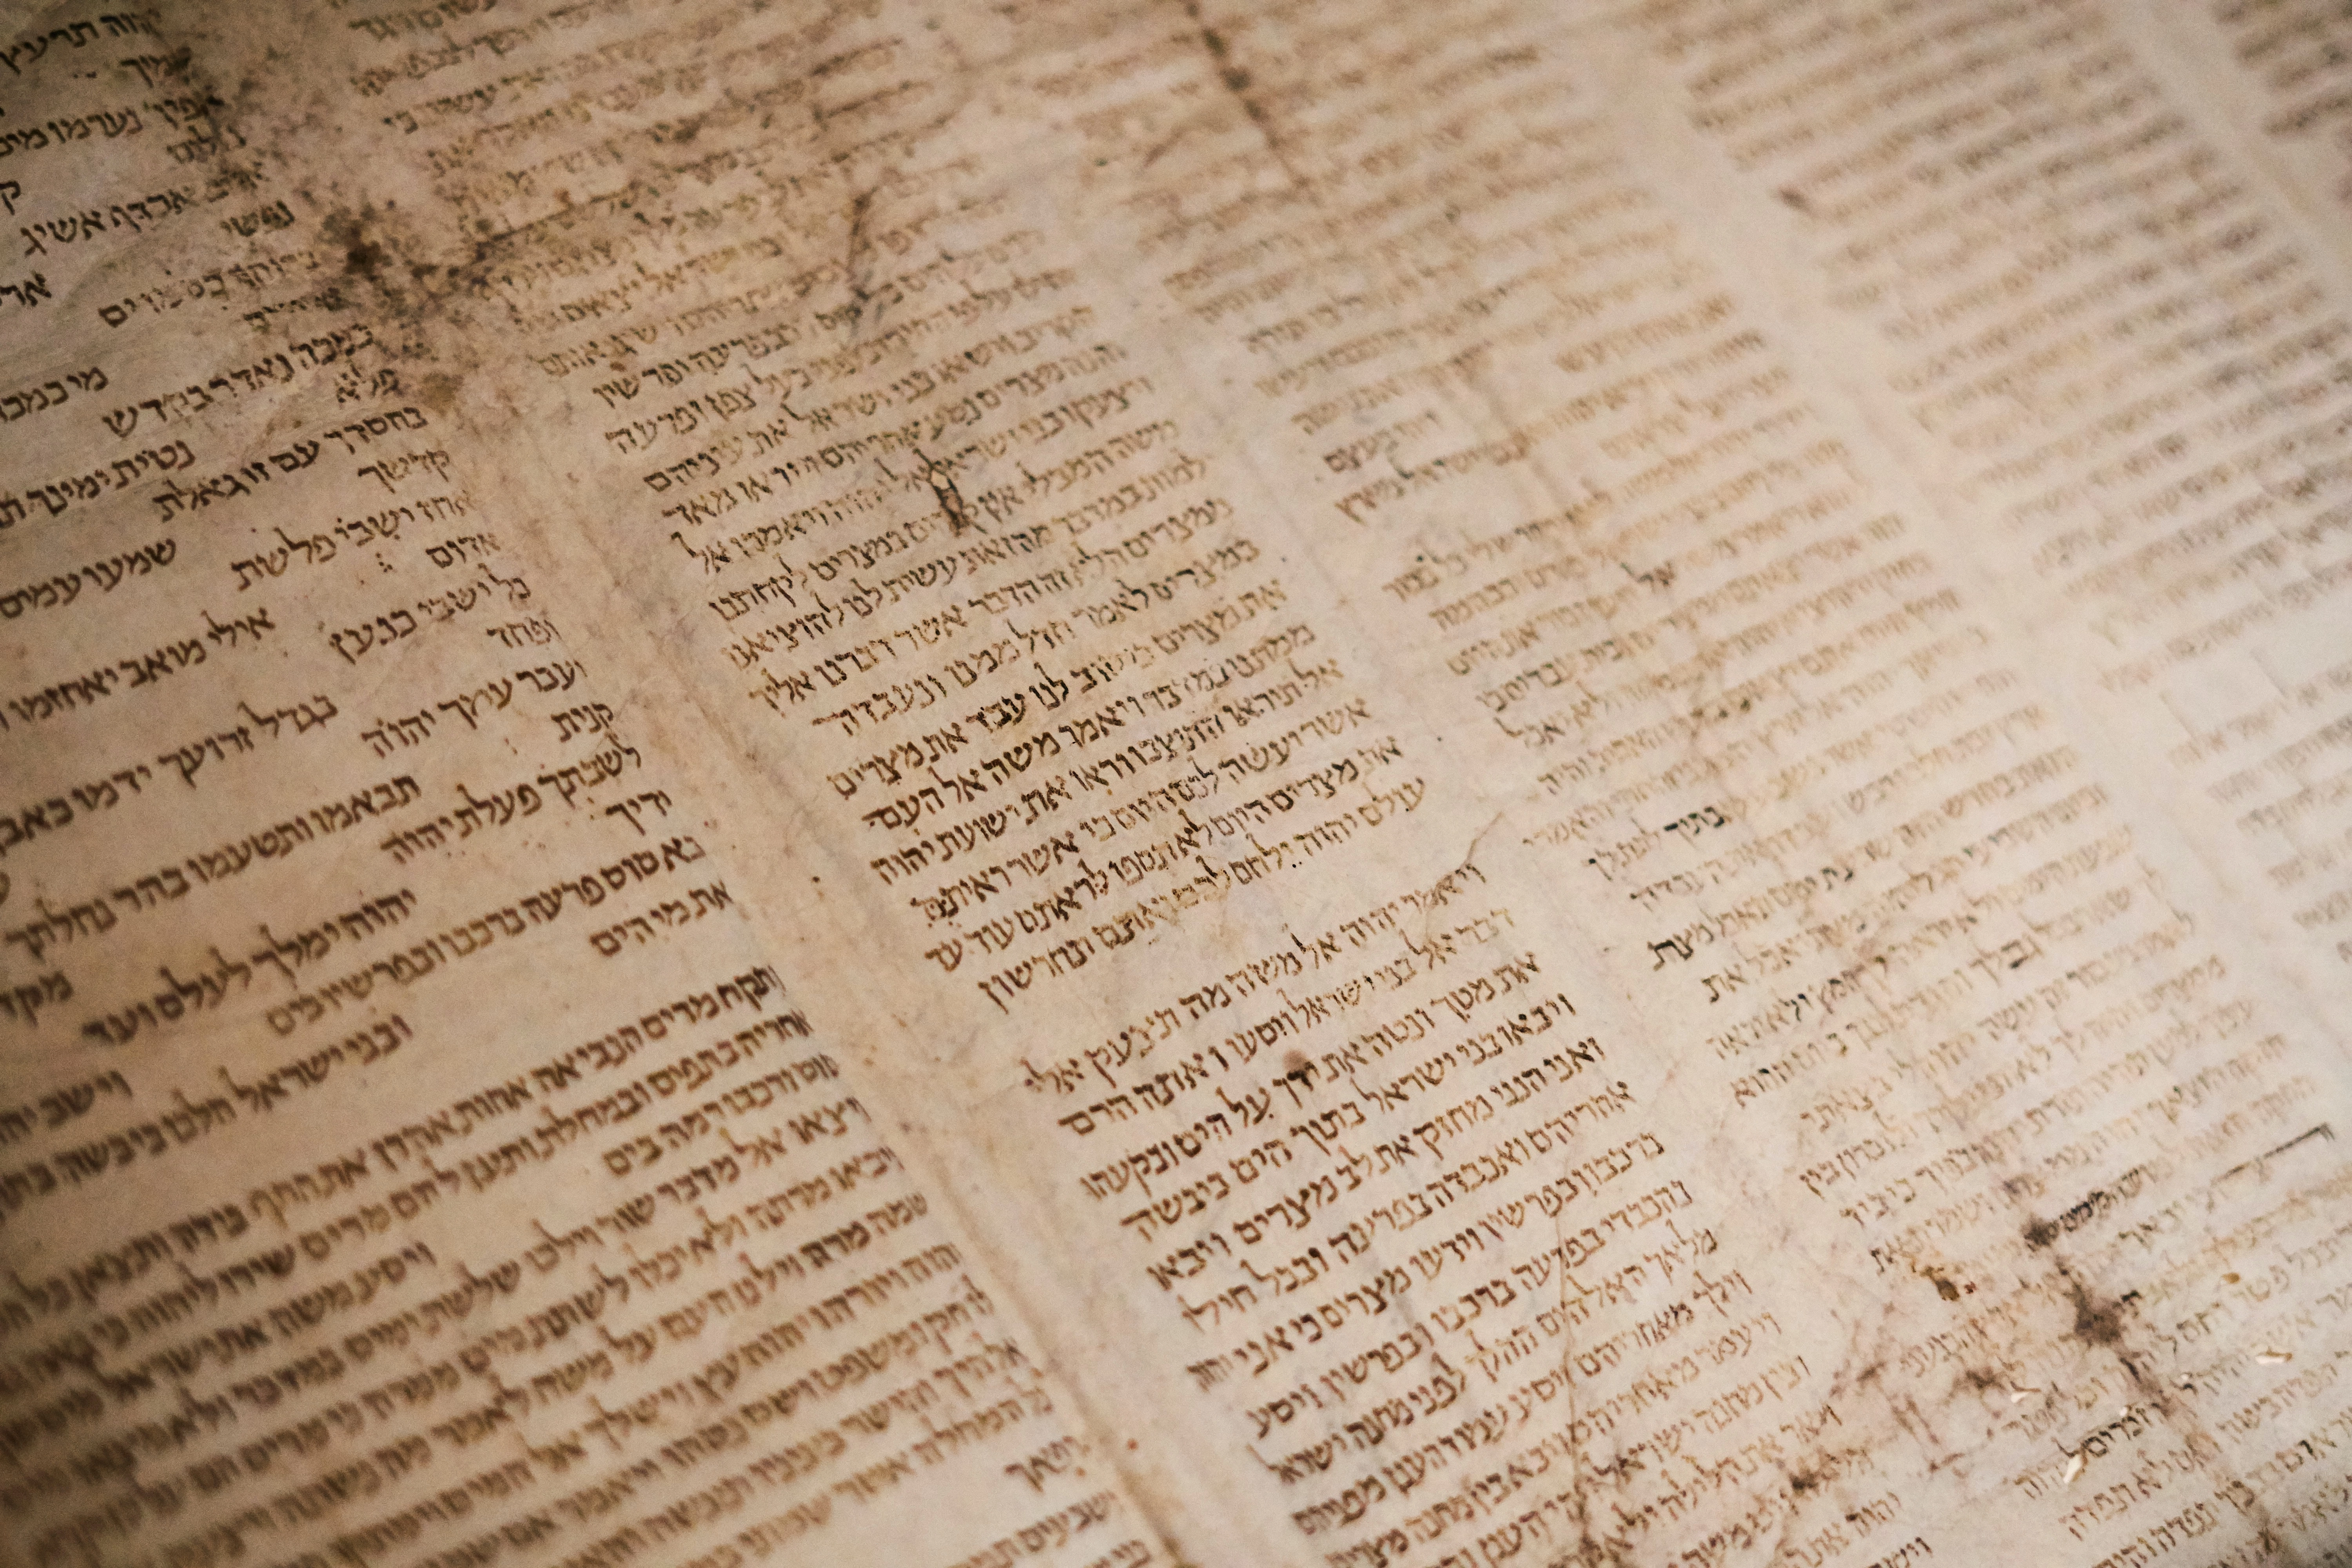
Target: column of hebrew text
x=2115 y=356
x=410 y=1152
x=1559 y=990
x=1945 y=1136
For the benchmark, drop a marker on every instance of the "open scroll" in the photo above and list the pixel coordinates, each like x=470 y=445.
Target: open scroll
x=1332 y=784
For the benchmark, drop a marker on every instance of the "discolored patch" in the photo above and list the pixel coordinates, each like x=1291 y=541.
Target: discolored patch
x=439 y=391
x=2095 y=1323
x=364 y=255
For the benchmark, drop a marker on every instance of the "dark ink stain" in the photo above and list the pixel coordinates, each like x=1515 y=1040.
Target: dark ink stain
x=2095 y=1324
x=858 y=262
x=1294 y=1061
x=1238 y=82
x=363 y=256
x=940 y=476
x=1795 y=198
x=1948 y=1288
x=2040 y=1234
x=370 y=241
x=1232 y=75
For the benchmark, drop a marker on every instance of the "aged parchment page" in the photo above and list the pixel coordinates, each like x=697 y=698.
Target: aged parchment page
x=1345 y=783
x=413 y=1149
